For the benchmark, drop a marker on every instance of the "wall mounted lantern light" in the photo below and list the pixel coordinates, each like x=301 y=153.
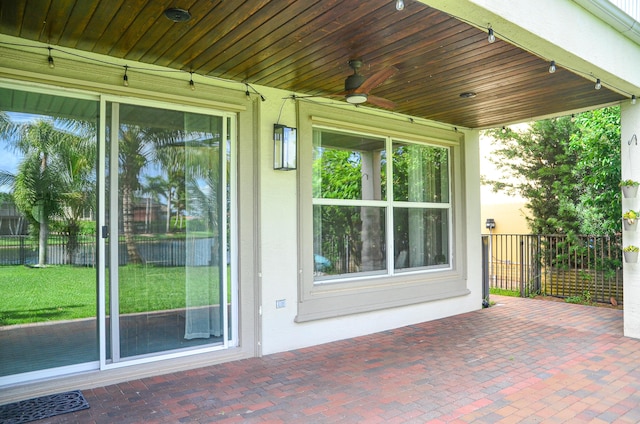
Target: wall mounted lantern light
x=284 y=148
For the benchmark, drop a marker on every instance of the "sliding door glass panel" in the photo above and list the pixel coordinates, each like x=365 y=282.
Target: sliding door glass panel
x=171 y=250
x=47 y=231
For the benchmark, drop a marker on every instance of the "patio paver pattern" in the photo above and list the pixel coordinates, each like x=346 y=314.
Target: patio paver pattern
x=520 y=361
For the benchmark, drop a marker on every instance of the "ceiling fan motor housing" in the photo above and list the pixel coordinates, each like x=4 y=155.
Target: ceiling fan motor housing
x=353 y=82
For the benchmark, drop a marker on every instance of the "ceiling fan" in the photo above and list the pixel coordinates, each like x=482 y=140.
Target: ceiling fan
x=358 y=86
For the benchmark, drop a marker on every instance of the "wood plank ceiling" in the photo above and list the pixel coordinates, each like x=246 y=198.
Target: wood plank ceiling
x=304 y=46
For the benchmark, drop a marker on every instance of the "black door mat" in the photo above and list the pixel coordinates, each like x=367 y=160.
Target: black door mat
x=42 y=407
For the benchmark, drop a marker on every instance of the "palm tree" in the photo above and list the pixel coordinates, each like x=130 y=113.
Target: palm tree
x=203 y=184
x=78 y=179
x=172 y=159
x=5 y=123
x=138 y=146
x=38 y=186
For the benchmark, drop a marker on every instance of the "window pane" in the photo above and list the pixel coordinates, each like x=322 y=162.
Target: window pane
x=48 y=286
x=348 y=239
x=421 y=237
x=347 y=166
x=420 y=173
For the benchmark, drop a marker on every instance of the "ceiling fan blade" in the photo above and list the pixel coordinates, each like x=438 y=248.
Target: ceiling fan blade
x=381 y=102
x=376 y=79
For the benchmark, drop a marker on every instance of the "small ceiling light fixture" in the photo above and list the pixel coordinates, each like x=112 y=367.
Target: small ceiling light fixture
x=552 y=67
x=50 y=59
x=125 y=79
x=192 y=84
x=177 y=15
x=598 y=84
x=468 y=95
x=492 y=37
x=399 y=5
x=633 y=99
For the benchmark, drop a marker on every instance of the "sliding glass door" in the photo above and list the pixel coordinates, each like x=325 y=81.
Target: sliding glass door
x=168 y=225
x=116 y=237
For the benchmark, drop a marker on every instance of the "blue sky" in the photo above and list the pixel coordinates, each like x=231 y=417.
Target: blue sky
x=8 y=159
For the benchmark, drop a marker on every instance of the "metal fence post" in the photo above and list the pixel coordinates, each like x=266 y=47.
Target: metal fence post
x=538 y=265
x=485 y=271
x=522 y=273
x=23 y=255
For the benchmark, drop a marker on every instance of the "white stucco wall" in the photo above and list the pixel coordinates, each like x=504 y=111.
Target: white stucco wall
x=278 y=261
x=630 y=117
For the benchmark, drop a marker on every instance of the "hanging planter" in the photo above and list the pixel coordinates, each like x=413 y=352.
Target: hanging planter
x=630 y=220
x=629 y=188
x=630 y=254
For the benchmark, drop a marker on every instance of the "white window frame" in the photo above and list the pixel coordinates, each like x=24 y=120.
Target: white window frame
x=389 y=205
x=374 y=292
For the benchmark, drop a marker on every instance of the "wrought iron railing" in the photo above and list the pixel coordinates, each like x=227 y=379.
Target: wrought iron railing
x=556 y=265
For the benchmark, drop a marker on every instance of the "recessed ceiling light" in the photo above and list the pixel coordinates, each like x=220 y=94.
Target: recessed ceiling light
x=468 y=95
x=177 y=15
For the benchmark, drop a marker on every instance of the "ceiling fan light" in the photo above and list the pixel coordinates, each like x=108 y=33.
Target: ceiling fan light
x=356 y=98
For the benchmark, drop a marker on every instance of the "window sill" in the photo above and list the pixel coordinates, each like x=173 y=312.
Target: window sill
x=328 y=301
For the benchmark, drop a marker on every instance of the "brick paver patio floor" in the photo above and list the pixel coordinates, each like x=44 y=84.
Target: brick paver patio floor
x=520 y=361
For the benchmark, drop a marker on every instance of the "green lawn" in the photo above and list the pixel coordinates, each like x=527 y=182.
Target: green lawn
x=67 y=292
x=504 y=292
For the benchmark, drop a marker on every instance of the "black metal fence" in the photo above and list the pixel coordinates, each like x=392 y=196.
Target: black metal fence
x=23 y=250
x=556 y=265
